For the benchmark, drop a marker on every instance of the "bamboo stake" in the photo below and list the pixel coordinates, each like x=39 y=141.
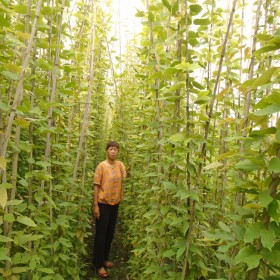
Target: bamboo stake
x=177 y=103
x=157 y=82
x=237 y=116
x=251 y=68
x=253 y=274
x=53 y=94
x=16 y=102
x=207 y=127
x=31 y=154
x=8 y=226
x=187 y=87
x=178 y=91
x=273 y=187
x=88 y=101
x=245 y=124
x=1 y=122
x=19 y=88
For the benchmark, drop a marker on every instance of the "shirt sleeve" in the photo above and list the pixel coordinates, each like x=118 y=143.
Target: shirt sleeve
x=97 y=179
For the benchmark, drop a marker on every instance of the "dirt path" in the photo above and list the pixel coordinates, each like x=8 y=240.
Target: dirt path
x=119 y=256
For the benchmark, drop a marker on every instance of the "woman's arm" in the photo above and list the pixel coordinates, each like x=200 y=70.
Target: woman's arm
x=95 y=208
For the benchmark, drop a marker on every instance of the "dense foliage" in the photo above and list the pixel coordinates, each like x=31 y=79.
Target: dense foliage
x=53 y=66
x=194 y=103
x=199 y=122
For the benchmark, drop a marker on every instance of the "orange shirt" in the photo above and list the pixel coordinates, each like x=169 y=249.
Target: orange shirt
x=109 y=178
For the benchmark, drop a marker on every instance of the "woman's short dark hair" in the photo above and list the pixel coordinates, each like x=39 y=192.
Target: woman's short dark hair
x=112 y=144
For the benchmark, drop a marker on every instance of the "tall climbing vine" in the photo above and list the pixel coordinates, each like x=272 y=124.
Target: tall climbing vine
x=200 y=127
x=53 y=66
x=194 y=102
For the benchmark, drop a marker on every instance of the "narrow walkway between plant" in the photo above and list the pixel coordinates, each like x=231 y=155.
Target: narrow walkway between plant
x=119 y=255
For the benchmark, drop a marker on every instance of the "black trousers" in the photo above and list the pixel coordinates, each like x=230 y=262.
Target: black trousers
x=105 y=229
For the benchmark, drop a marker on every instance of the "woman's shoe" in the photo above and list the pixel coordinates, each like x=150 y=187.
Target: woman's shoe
x=103 y=274
x=108 y=264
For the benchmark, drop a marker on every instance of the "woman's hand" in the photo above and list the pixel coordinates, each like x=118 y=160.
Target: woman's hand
x=96 y=211
x=127 y=172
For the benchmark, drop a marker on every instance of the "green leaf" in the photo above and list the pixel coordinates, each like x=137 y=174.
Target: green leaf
x=47 y=11
x=141 y=76
x=265 y=198
x=272 y=277
x=266 y=49
x=140 y=14
x=5 y=239
x=3 y=107
x=203 y=99
x=187 y=66
x=274 y=108
x=45 y=270
x=196 y=250
x=249 y=256
x=273 y=210
x=180 y=252
x=185 y=227
x=264 y=37
x=273 y=98
x=247 y=165
x=182 y=194
x=239 y=232
x=169 y=253
x=21 y=9
x=29 y=237
x=202 y=21
x=172 y=88
x=58 y=277
x=6 y=186
x=14 y=202
x=270 y=130
x=19 y=269
x=274 y=165
x=3 y=163
x=175 y=8
x=13 y=67
x=166 y=4
x=195 y=8
x=213 y=165
x=43 y=164
x=4 y=22
x=194 y=196
x=10 y=75
x=47 y=278
x=42 y=27
x=178 y=137
x=169 y=185
x=267 y=238
x=9 y=217
x=253 y=232
x=50 y=200
x=3 y=256
x=265 y=78
x=64 y=257
x=3 y=197
x=277 y=135
x=151 y=16
x=26 y=221
x=4 y=8
x=274 y=257
x=223 y=226
x=65 y=242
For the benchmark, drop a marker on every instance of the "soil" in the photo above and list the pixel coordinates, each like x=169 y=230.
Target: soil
x=119 y=256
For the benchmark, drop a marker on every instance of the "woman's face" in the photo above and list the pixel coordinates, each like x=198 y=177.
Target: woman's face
x=112 y=153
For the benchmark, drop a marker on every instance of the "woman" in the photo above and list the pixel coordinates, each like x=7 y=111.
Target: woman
x=107 y=195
